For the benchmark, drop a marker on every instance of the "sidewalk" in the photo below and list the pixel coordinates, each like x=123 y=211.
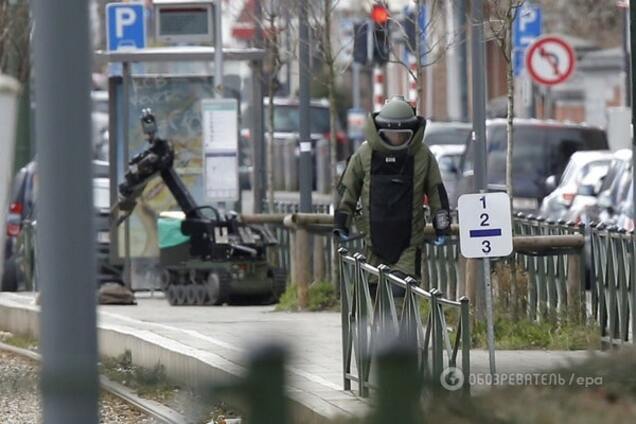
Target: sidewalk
x=222 y=336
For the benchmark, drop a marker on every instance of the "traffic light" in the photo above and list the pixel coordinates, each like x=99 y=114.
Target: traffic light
x=381 y=49
x=360 y=46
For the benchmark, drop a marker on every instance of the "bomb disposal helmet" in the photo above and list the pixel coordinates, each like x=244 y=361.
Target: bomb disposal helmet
x=397 y=123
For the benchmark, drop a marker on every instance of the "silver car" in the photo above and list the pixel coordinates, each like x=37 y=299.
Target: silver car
x=582 y=176
x=612 y=192
x=449 y=157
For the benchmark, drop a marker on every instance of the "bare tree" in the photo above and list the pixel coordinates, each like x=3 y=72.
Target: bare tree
x=595 y=19
x=15 y=33
x=329 y=53
x=270 y=20
x=502 y=14
x=423 y=42
x=271 y=13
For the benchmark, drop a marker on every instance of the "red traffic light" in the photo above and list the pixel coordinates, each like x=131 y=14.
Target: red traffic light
x=380 y=14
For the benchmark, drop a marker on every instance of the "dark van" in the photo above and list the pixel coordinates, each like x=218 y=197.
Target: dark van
x=541 y=151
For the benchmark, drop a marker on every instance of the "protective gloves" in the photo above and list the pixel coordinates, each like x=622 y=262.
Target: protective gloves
x=340 y=229
x=441 y=222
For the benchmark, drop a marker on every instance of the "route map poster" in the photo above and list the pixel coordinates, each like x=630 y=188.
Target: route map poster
x=176 y=103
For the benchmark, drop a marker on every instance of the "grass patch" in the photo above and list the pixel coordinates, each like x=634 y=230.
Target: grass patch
x=526 y=334
x=23 y=342
x=602 y=389
x=151 y=383
x=288 y=301
x=321 y=297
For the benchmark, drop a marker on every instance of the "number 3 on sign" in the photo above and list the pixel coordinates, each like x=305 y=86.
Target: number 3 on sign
x=485 y=246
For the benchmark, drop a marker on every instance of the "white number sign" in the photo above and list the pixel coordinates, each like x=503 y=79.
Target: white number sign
x=485 y=225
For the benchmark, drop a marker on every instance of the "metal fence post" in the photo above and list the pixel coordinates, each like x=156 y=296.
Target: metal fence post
x=632 y=283
x=361 y=324
x=265 y=386
x=302 y=265
x=345 y=319
x=438 y=337
x=399 y=386
x=466 y=342
x=623 y=297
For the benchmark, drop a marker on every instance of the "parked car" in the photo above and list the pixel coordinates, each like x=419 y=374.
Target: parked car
x=287 y=126
x=581 y=179
x=22 y=224
x=625 y=212
x=444 y=133
x=21 y=212
x=449 y=157
x=99 y=99
x=541 y=152
x=612 y=192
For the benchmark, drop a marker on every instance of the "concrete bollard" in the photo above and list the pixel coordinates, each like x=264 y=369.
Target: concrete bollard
x=9 y=89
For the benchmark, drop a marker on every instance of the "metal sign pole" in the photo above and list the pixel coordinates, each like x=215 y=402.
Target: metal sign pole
x=305 y=174
x=355 y=66
x=126 y=154
x=66 y=234
x=489 y=317
x=479 y=133
x=218 y=51
x=632 y=36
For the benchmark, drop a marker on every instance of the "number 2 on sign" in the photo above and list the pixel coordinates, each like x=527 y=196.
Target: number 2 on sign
x=485 y=245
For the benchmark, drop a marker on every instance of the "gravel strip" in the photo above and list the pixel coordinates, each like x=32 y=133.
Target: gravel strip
x=20 y=397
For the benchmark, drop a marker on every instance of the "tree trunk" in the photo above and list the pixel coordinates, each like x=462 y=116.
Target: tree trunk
x=333 y=118
x=510 y=113
x=270 y=151
x=509 y=133
x=271 y=91
x=419 y=72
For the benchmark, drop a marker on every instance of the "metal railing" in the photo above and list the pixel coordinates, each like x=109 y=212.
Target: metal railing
x=440 y=267
x=612 y=283
x=283 y=234
x=553 y=272
x=371 y=321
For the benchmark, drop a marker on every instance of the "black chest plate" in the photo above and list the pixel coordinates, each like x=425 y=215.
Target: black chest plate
x=391 y=204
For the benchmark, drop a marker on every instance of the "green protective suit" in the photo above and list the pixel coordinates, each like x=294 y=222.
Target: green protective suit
x=391 y=187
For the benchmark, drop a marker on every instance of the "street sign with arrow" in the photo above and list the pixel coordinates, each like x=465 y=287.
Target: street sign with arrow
x=550 y=60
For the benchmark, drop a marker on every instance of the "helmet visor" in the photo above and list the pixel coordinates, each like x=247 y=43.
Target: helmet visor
x=396 y=138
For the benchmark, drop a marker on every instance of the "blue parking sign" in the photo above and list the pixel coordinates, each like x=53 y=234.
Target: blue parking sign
x=125 y=26
x=526 y=28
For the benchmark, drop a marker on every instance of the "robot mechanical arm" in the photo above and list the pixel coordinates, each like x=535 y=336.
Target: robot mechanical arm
x=209 y=238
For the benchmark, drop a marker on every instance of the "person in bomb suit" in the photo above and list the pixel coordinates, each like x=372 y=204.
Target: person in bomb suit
x=391 y=174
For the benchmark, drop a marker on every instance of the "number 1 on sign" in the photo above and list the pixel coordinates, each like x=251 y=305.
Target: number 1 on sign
x=483 y=201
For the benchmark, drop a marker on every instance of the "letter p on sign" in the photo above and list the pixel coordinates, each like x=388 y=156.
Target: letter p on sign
x=124 y=16
x=125 y=26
